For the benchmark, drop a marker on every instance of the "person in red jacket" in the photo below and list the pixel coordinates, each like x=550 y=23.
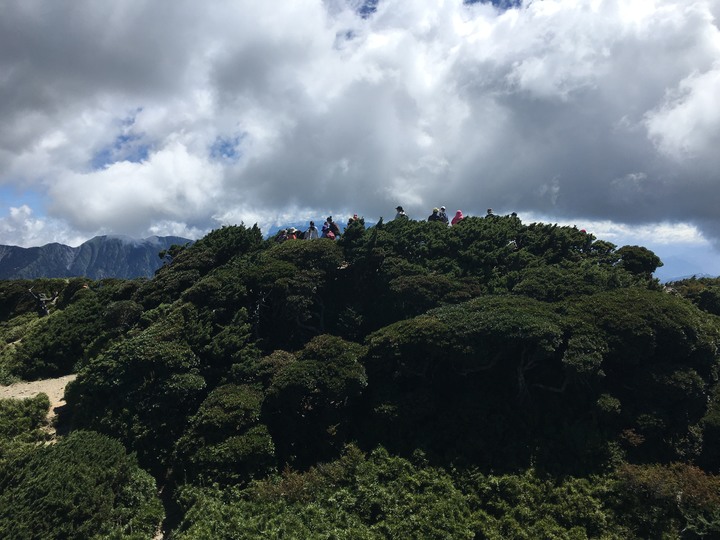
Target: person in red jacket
x=458 y=218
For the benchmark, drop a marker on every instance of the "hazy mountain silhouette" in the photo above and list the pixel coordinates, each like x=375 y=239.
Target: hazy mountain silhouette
x=99 y=257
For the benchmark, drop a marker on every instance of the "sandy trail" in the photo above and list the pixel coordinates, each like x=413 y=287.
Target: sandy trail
x=54 y=388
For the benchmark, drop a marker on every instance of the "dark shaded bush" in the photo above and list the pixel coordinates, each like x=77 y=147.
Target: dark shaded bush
x=141 y=390
x=639 y=260
x=461 y=381
x=225 y=441
x=556 y=282
x=660 y=364
x=308 y=403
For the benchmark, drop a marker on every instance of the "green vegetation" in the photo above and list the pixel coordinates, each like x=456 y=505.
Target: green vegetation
x=20 y=426
x=410 y=380
x=83 y=487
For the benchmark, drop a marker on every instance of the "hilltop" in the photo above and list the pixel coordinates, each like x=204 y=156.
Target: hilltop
x=489 y=380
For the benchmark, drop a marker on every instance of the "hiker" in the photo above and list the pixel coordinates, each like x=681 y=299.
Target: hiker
x=490 y=213
x=458 y=218
x=435 y=216
x=443 y=215
x=333 y=228
x=312 y=232
x=292 y=234
x=400 y=213
x=281 y=236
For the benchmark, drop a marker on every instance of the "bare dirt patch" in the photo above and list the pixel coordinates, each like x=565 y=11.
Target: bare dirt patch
x=54 y=388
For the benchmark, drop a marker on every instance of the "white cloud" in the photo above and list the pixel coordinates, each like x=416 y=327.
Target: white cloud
x=687 y=124
x=599 y=110
x=21 y=228
x=172 y=185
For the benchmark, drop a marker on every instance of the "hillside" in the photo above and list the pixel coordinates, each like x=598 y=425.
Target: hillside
x=98 y=258
x=489 y=380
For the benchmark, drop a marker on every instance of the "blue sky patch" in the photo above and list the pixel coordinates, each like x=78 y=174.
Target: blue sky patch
x=367 y=8
x=226 y=149
x=128 y=147
x=15 y=198
x=502 y=4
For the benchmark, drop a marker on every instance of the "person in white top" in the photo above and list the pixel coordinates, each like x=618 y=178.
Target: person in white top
x=312 y=232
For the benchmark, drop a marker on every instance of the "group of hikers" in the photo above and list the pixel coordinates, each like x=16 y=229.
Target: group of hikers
x=438 y=214
x=331 y=230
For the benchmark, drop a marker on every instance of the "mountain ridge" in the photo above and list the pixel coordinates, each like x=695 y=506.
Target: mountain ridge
x=107 y=256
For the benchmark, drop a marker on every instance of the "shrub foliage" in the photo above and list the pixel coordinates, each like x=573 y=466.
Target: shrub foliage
x=410 y=380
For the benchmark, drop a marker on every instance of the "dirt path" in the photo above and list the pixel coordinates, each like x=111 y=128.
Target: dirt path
x=54 y=388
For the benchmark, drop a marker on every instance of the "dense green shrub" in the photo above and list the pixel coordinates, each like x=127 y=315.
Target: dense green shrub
x=527 y=506
x=460 y=381
x=356 y=497
x=141 y=390
x=83 y=487
x=58 y=342
x=379 y=496
x=661 y=363
x=87 y=317
x=22 y=417
x=703 y=292
x=190 y=263
x=668 y=501
x=225 y=441
x=486 y=348
x=501 y=381
x=21 y=423
x=309 y=400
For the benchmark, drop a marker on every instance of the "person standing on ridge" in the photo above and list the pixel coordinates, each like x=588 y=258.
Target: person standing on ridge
x=443 y=215
x=458 y=218
x=312 y=232
x=400 y=213
x=332 y=226
x=435 y=216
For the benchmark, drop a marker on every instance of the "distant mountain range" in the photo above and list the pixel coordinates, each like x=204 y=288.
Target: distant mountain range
x=688 y=276
x=98 y=258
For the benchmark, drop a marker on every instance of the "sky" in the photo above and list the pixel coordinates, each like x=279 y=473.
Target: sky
x=142 y=118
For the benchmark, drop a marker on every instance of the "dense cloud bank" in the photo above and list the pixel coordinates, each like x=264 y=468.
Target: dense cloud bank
x=140 y=118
